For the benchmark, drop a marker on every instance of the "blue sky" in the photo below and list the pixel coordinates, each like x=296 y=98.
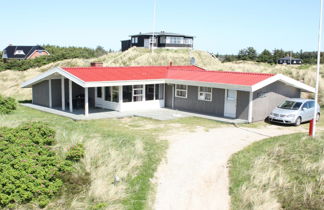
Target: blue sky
x=223 y=26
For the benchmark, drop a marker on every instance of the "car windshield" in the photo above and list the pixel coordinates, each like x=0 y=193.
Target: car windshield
x=293 y=105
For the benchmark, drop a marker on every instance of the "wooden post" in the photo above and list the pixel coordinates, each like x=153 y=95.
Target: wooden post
x=70 y=96
x=63 y=93
x=50 y=93
x=86 y=102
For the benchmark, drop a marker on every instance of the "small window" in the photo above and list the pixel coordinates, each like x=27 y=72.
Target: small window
x=181 y=91
x=261 y=94
x=205 y=94
x=107 y=93
x=231 y=95
x=138 y=93
x=115 y=94
x=19 y=52
x=99 y=92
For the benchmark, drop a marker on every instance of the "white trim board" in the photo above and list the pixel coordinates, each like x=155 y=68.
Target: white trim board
x=284 y=79
x=259 y=85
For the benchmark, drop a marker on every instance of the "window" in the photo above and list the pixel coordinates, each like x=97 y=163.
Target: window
x=127 y=93
x=162 y=40
x=107 y=93
x=181 y=91
x=205 y=94
x=99 y=92
x=134 y=40
x=149 y=92
x=311 y=104
x=159 y=91
x=231 y=95
x=115 y=94
x=188 y=41
x=138 y=93
x=261 y=94
x=19 y=52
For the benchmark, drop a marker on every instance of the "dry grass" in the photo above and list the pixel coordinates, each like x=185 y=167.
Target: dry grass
x=10 y=80
x=284 y=172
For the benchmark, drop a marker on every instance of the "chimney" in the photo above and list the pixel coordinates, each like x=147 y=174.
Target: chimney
x=96 y=64
x=170 y=63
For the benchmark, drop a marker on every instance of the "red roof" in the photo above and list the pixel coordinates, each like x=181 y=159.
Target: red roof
x=190 y=73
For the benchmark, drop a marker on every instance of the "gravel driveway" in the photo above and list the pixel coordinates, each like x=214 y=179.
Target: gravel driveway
x=194 y=174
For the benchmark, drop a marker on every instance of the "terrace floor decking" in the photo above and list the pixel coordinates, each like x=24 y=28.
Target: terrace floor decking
x=157 y=114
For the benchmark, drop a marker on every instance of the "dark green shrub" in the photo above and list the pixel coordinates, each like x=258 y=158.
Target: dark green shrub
x=30 y=171
x=75 y=153
x=7 y=105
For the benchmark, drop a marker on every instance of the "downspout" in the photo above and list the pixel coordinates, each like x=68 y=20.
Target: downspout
x=172 y=96
x=250 y=113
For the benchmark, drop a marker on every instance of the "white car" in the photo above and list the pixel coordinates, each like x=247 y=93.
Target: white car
x=294 y=111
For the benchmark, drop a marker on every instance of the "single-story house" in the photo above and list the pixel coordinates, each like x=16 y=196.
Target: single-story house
x=23 y=52
x=161 y=40
x=290 y=60
x=237 y=95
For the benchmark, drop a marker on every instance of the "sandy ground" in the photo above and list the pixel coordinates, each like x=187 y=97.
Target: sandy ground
x=195 y=175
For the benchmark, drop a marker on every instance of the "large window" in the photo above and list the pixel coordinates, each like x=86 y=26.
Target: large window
x=174 y=40
x=205 y=94
x=115 y=94
x=188 y=40
x=159 y=90
x=107 y=93
x=149 y=92
x=181 y=91
x=138 y=93
x=127 y=93
x=112 y=94
x=99 y=92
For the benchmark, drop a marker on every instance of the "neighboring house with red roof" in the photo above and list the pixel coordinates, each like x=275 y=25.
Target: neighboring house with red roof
x=237 y=95
x=23 y=52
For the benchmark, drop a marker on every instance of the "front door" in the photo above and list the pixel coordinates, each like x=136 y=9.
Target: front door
x=147 y=43
x=230 y=103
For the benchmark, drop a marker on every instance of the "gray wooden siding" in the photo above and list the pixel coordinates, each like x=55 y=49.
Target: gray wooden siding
x=242 y=105
x=56 y=93
x=40 y=93
x=192 y=104
x=267 y=98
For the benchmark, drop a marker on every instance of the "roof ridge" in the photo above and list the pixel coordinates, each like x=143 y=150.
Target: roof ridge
x=228 y=72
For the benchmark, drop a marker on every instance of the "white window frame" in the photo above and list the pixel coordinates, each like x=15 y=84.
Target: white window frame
x=136 y=95
x=177 y=89
x=202 y=94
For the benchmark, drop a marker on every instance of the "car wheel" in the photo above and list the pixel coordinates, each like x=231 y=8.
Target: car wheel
x=298 y=121
x=318 y=117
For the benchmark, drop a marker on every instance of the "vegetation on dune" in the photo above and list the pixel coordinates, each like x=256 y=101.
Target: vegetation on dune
x=280 y=172
x=30 y=171
x=266 y=56
x=56 y=54
x=7 y=105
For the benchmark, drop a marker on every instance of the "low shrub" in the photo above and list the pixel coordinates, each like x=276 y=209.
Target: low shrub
x=30 y=171
x=75 y=153
x=7 y=105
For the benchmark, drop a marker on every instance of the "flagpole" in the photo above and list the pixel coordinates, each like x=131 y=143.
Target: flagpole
x=318 y=68
x=153 y=32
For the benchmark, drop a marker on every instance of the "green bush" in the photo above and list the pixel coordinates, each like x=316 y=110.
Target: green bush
x=7 y=105
x=30 y=171
x=75 y=153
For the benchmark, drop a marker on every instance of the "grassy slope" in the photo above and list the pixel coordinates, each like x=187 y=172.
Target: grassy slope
x=10 y=80
x=129 y=148
x=280 y=172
